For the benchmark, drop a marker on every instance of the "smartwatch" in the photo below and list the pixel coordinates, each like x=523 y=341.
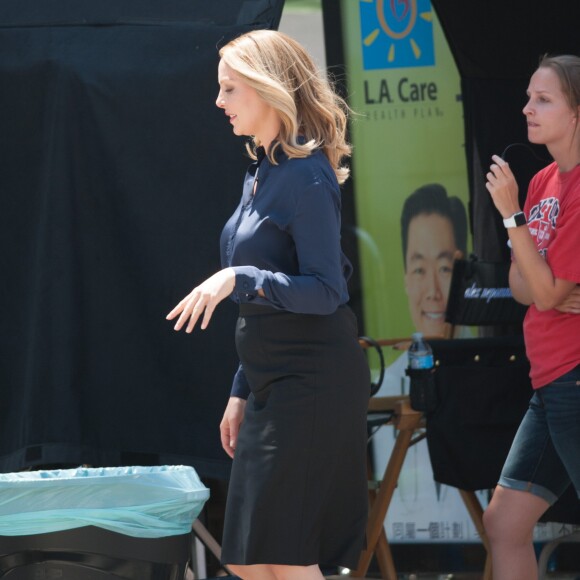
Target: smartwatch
x=515 y=221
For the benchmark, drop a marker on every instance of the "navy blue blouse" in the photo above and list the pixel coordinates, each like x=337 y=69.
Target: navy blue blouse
x=285 y=239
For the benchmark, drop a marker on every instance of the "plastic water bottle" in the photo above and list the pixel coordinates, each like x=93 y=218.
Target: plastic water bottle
x=420 y=353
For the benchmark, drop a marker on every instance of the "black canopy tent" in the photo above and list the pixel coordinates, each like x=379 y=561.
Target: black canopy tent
x=116 y=175
x=497 y=46
x=117 y=172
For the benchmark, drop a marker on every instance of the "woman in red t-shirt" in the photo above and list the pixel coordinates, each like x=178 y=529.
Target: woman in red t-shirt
x=545 y=272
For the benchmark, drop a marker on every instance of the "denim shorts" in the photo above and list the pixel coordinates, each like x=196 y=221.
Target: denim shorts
x=545 y=454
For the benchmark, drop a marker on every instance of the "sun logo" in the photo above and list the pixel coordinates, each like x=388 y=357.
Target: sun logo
x=396 y=33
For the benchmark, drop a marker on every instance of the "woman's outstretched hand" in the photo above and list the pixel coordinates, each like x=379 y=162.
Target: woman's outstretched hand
x=203 y=299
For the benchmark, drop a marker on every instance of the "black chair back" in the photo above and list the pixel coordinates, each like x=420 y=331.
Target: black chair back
x=479 y=295
x=482 y=390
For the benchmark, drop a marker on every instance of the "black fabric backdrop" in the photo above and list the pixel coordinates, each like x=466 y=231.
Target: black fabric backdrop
x=117 y=172
x=497 y=46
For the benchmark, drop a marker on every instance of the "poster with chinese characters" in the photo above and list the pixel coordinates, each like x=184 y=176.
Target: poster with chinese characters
x=411 y=193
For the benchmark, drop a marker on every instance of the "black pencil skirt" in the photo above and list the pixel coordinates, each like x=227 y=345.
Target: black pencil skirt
x=298 y=488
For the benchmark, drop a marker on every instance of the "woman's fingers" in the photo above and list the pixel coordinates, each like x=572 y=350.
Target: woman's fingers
x=191 y=308
x=176 y=310
x=226 y=440
x=203 y=300
x=230 y=424
x=502 y=186
x=571 y=304
x=196 y=308
x=228 y=435
x=183 y=309
x=498 y=172
x=210 y=307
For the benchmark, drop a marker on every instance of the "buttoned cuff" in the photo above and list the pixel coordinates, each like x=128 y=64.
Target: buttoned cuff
x=249 y=280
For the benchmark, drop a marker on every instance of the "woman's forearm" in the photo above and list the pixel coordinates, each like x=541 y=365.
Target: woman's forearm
x=531 y=279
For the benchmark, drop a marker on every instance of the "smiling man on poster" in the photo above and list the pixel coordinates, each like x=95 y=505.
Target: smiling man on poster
x=410 y=185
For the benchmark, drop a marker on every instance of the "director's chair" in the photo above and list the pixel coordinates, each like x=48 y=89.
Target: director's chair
x=482 y=385
x=479 y=296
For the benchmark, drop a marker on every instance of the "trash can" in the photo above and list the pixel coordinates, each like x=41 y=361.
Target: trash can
x=98 y=523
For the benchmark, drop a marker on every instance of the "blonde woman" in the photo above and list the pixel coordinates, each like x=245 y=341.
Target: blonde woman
x=295 y=424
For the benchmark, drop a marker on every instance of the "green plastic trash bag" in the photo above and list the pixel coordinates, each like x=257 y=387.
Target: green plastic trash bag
x=144 y=502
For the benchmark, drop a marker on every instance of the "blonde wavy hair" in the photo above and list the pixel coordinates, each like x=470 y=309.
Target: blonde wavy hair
x=286 y=78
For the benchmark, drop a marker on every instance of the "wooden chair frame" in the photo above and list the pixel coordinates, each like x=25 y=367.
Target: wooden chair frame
x=410 y=425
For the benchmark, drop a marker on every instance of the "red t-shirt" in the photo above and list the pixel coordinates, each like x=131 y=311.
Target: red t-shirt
x=553 y=211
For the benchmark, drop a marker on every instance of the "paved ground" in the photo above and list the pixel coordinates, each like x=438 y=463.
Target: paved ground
x=306 y=27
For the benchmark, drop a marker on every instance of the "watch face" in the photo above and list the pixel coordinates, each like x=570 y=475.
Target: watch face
x=518 y=219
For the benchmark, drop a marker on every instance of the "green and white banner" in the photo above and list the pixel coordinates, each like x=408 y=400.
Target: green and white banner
x=411 y=188
x=407 y=132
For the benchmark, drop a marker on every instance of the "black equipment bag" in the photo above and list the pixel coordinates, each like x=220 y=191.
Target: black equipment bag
x=482 y=390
